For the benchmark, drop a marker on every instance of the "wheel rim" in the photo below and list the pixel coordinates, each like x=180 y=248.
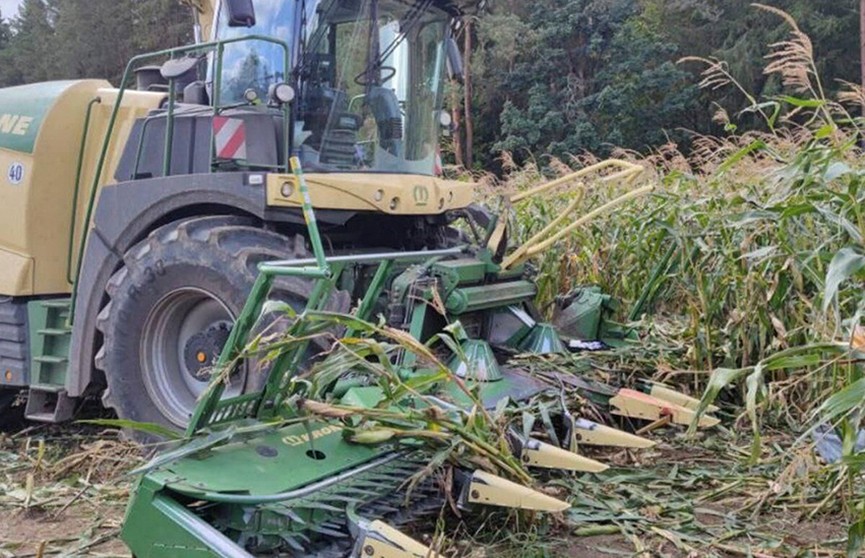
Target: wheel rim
x=183 y=336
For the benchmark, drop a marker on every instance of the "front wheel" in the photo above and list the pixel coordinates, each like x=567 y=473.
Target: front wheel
x=171 y=310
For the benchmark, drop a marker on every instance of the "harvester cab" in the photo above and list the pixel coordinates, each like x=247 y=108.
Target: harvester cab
x=365 y=79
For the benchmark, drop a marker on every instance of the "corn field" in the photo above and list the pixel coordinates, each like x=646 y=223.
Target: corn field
x=746 y=264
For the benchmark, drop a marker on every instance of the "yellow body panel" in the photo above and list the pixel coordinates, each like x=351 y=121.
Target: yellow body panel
x=394 y=194
x=546 y=456
x=37 y=210
x=593 y=434
x=205 y=13
x=16 y=271
x=666 y=394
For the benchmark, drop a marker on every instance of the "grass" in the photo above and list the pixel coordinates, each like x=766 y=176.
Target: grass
x=63 y=491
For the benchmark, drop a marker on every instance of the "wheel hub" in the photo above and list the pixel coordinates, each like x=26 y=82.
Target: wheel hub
x=183 y=337
x=202 y=349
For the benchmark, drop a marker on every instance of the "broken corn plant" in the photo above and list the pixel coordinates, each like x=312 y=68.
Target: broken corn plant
x=750 y=259
x=410 y=404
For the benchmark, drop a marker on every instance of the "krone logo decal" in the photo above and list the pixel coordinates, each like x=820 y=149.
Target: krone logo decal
x=421 y=195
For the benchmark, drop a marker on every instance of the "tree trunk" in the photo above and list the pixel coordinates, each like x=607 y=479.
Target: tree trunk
x=457 y=126
x=469 y=126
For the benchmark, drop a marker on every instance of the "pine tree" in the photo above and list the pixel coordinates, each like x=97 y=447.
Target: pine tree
x=29 y=56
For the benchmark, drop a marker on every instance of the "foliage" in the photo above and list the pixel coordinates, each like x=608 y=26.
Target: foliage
x=56 y=39
x=751 y=254
x=562 y=77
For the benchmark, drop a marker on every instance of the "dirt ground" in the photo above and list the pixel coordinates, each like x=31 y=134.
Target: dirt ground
x=63 y=491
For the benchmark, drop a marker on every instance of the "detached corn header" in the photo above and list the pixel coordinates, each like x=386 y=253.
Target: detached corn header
x=329 y=339
x=326 y=460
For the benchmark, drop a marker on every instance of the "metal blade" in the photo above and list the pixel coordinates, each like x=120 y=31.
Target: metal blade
x=380 y=540
x=668 y=394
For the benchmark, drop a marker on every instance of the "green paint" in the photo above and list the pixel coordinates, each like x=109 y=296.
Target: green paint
x=50 y=338
x=363 y=397
x=258 y=467
x=543 y=340
x=477 y=362
x=494 y=295
x=23 y=110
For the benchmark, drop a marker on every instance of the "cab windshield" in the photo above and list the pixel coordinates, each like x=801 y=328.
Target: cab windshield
x=256 y=64
x=369 y=77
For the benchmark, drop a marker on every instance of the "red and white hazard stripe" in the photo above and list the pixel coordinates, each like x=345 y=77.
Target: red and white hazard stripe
x=230 y=137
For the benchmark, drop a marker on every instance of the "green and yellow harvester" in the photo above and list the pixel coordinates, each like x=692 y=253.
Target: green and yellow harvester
x=198 y=249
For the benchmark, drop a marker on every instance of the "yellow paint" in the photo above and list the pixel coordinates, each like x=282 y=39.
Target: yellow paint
x=637 y=405
x=620 y=171
x=602 y=435
x=539 y=454
x=673 y=396
x=383 y=541
x=491 y=490
x=205 y=16
x=37 y=212
x=394 y=194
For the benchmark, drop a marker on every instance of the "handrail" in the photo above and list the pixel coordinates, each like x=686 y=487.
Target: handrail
x=202 y=48
x=81 y=151
x=545 y=238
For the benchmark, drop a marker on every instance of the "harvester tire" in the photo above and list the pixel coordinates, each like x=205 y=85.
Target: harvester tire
x=170 y=310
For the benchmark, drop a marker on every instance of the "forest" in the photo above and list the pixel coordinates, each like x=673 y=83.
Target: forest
x=552 y=77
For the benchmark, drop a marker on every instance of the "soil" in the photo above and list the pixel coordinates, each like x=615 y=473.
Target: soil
x=657 y=501
x=80 y=530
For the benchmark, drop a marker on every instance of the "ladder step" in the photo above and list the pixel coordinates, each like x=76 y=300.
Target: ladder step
x=46 y=388
x=64 y=303
x=47 y=359
x=50 y=331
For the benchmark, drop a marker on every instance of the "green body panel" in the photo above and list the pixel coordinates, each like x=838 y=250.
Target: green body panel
x=543 y=339
x=477 y=362
x=278 y=461
x=514 y=385
x=484 y=297
x=363 y=397
x=157 y=526
x=50 y=339
x=461 y=271
x=22 y=111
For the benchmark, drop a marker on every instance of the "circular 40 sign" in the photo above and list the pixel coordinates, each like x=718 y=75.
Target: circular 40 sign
x=16 y=173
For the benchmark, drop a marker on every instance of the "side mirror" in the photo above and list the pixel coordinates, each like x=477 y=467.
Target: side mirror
x=241 y=13
x=455 y=60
